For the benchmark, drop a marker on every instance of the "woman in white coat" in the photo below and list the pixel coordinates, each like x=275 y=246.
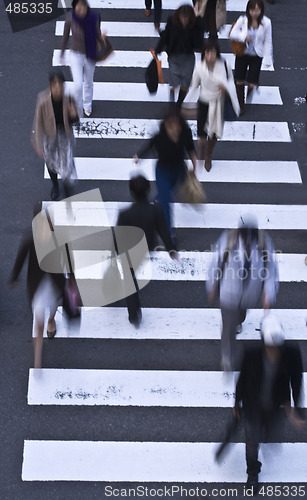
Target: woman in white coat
x=213 y=77
x=255 y=30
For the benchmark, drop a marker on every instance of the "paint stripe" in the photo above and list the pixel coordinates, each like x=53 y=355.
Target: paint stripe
x=236 y=171
x=150 y=388
x=157 y=462
x=135 y=30
x=138 y=92
x=126 y=128
x=131 y=388
x=210 y=215
x=178 y=324
x=192 y=266
x=232 y=5
x=135 y=59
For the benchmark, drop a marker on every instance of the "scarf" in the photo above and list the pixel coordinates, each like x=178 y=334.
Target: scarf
x=88 y=23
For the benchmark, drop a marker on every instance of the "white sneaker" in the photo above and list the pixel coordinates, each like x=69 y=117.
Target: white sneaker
x=87 y=112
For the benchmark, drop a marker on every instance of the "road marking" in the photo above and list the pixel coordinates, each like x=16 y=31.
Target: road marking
x=135 y=30
x=126 y=128
x=178 y=324
x=157 y=462
x=235 y=171
x=210 y=215
x=192 y=266
x=136 y=59
x=138 y=92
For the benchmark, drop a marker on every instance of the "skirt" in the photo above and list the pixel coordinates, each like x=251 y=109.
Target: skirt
x=58 y=155
x=181 y=68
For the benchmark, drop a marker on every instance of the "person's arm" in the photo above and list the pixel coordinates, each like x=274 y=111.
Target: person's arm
x=67 y=28
x=164 y=38
x=239 y=32
x=268 y=45
x=38 y=129
x=198 y=34
x=22 y=253
x=144 y=150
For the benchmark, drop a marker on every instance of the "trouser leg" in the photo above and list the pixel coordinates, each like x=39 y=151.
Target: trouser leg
x=240 y=95
x=133 y=303
x=228 y=339
x=253 y=431
x=158 y=12
x=55 y=184
x=209 y=150
x=76 y=65
x=89 y=68
x=182 y=93
x=164 y=187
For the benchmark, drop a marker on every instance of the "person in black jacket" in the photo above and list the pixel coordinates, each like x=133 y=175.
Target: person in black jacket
x=45 y=290
x=268 y=374
x=148 y=217
x=171 y=143
x=183 y=35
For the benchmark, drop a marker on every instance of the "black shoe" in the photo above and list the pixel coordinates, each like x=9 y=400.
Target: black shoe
x=54 y=192
x=252 y=482
x=136 y=320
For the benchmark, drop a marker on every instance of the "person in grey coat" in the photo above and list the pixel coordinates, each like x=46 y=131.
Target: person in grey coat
x=243 y=270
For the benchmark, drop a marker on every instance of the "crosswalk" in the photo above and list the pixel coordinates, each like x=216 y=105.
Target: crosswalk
x=153 y=460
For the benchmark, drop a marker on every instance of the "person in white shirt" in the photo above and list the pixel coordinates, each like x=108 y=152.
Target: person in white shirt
x=255 y=30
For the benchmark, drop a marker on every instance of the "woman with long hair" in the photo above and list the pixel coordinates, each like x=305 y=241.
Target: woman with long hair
x=213 y=77
x=84 y=25
x=183 y=35
x=255 y=30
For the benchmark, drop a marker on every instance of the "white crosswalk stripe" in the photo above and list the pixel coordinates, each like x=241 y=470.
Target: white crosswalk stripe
x=161 y=462
x=238 y=171
x=179 y=324
x=235 y=5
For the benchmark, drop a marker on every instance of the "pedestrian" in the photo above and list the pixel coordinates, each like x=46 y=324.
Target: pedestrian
x=213 y=14
x=157 y=13
x=150 y=218
x=52 y=133
x=84 y=25
x=269 y=374
x=255 y=30
x=183 y=35
x=214 y=78
x=45 y=290
x=243 y=270
x=172 y=141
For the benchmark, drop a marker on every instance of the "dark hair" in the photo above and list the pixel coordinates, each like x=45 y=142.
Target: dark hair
x=251 y=5
x=249 y=234
x=74 y=3
x=208 y=45
x=173 y=115
x=56 y=74
x=139 y=187
x=186 y=11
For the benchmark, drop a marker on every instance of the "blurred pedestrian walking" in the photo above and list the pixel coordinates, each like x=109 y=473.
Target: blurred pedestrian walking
x=157 y=11
x=52 y=134
x=183 y=35
x=253 y=29
x=84 y=25
x=243 y=269
x=172 y=141
x=45 y=290
x=214 y=78
x=150 y=218
x=213 y=14
x=270 y=374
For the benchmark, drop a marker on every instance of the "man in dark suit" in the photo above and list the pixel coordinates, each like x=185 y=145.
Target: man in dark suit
x=268 y=375
x=150 y=218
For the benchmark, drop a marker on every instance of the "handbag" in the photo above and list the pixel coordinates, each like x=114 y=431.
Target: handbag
x=237 y=48
x=103 y=48
x=153 y=74
x=190 y=189
x=229 y=112
x=72 y=302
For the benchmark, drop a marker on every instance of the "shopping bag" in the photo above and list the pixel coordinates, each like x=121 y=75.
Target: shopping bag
x=190 y=189
x=153 y=74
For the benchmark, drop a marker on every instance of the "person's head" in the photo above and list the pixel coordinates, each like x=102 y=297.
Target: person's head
x=56 y=83
x=80 y=7
x=173 y=125
x=139 y=188
x=210 y=51
x=248 y=228
x=272 y=335
x=255 y=11
x=185 y=16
